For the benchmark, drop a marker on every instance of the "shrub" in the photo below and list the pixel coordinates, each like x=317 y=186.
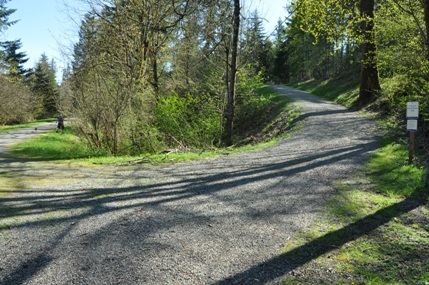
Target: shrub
x=191 y=121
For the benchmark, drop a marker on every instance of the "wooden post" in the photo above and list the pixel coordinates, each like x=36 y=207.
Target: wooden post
x=411 y=147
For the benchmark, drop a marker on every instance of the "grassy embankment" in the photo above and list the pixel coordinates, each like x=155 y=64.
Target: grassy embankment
x=67 y=146
x=375 y=230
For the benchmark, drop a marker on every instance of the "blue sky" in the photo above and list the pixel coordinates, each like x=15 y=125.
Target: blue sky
x=47 y=26
x=43 y=27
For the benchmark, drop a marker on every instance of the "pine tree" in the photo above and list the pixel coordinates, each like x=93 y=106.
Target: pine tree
x=4 y=16
x=256 y=47
x=13 y=59
x=280 y=67
x=45 y=87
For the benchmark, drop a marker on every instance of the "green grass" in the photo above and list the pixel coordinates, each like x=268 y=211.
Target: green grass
x=7 y=128
x=390 y=168
x=343 y=91
x=394 y=253
x=54 y=146
x=68 y=147
x=267 y=92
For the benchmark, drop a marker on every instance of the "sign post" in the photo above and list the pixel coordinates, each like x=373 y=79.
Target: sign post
x=412 y=118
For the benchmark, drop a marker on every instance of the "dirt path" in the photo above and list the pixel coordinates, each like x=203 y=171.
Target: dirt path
x=216 y=221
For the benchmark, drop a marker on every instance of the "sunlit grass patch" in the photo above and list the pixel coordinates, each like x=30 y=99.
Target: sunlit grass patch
x=390 y=169
x=392 y=255
x=350 y=205
x=395 y=252
x=343 y=91
x=54 y=146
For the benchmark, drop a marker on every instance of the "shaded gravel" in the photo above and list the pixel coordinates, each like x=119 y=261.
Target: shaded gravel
x=216 y=221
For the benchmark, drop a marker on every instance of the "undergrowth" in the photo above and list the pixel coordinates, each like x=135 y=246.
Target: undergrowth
x=276 y=119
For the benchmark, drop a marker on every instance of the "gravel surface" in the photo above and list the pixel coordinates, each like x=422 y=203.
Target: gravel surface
x=215 y=221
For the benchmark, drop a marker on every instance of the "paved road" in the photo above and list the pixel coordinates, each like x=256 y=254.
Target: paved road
x=216 y=221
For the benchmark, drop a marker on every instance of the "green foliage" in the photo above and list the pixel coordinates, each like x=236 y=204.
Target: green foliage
x=403 y=61
x=55 y=146
x=335 y=20
x=152 y=145
x=314 y=49
x=45 y=88
x=248 y=96
x=17 y=102
x=255 y=51
x=253 y=100
x=4 y=16
x=188 y=121
x=14 y=60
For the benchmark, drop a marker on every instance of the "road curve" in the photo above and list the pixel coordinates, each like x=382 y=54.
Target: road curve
x=11 y=137
x=216 y=221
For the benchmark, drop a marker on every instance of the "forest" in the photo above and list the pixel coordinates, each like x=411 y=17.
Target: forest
x=148 y=75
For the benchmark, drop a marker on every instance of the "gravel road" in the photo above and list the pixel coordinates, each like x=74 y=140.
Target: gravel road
x=215 y=221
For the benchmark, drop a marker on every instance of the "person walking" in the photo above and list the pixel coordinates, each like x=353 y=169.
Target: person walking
x=60 y=123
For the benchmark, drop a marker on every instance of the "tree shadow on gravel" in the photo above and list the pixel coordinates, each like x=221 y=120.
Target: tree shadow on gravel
x=215 y=185
x=158 y=195
x=185 y=188
x=283 y=264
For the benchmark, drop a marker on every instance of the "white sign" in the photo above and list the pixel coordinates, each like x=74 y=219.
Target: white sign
x=411 y=125
x=412 y=110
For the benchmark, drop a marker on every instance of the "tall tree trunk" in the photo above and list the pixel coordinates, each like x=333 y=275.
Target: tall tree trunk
x=369 y=80
x=232 y=80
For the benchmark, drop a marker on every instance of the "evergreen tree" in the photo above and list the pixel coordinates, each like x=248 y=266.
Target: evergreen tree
x=255 y=49
x=4 y=16
x=13 y=59
x=280 y=66
x=4 y=24
x=45 y=87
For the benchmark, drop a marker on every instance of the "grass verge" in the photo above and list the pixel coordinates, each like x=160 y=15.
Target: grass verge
x=54 y=146
x=68 y=147
x=342 y=91
x=375 y=229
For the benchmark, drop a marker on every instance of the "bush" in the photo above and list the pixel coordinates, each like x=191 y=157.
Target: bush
x=186 y=122
x=251 y=107
x=16 y=102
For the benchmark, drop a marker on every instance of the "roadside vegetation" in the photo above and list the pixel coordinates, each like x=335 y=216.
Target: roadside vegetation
x=274 y=120
x=374 y=230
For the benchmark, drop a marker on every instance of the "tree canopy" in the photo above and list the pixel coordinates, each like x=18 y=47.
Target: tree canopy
x=148 y=75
